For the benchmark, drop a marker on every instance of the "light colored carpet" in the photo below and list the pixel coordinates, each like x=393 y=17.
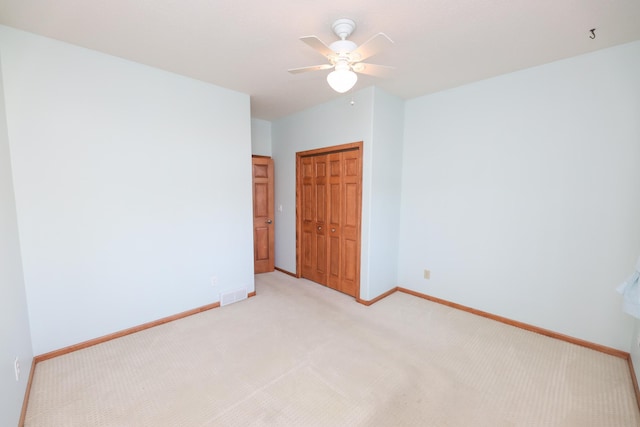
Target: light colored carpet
x=299 y=354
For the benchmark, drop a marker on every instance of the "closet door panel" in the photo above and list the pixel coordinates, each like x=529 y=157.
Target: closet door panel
x=351 y=195
x=335 y=220
x=320 y=220
x=307 y=208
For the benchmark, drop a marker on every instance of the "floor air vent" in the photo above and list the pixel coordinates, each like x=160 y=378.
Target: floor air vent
x=233 y=296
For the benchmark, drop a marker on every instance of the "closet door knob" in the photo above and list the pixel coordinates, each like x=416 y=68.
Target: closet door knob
x=333 y=230
x=319 y=228
x=269 y=221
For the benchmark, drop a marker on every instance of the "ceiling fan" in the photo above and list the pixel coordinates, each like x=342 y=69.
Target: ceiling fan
x=345 y=56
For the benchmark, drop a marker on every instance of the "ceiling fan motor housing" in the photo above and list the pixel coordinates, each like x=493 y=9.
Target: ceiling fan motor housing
x=343 y=27
x=343 y=46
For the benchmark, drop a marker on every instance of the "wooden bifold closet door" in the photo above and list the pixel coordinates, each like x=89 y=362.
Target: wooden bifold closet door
x=329 y=212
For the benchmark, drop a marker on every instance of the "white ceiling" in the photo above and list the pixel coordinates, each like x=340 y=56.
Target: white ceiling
x=248 y=45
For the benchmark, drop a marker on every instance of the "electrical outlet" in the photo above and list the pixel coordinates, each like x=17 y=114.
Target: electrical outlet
x=214 y=280
x=638 y=340
x=427 y=274
x=16 y=368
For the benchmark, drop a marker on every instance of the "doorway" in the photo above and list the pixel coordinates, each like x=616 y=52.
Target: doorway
x=263 y=226
x=328 y=216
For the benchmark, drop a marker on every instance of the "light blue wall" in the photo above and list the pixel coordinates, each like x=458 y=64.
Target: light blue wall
x=635 y=349
x=333 y=123
x=521 y=194
x=376 y=118
x=15 y=339
x=386 y=174
x=260 y=137
x=132 y=187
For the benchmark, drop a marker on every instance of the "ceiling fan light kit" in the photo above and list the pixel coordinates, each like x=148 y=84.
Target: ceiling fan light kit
x=344 y=56
x=342 y=78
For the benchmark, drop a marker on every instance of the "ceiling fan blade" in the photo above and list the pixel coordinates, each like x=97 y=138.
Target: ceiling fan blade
x=311 y=68
x=318 y=45
x=373 y=69
x=372 y=46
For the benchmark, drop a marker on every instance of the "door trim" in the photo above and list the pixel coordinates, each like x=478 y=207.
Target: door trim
x=315 y=152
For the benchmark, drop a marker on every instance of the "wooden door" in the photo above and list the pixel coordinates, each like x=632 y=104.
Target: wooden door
x=329 y=212
x=314 y=180
x=351 y=214
x=263 y=226
x=334 y=214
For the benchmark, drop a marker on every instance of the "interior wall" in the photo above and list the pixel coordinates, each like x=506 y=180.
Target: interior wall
x=260 y=137
x=520 y=194
x=386 y=174
x=15 y=338
x=132 y=186
x=635 y=349
x=377 y=119
x=333 y=123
